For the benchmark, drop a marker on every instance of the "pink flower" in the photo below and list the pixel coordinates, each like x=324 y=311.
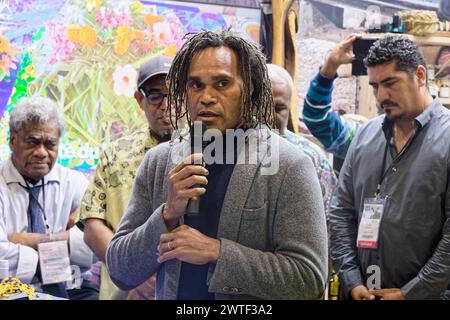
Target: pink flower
x=6 y=63
x=113 y=18
x=62 y=46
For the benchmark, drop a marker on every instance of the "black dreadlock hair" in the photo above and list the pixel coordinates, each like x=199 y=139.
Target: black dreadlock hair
x=257 y=107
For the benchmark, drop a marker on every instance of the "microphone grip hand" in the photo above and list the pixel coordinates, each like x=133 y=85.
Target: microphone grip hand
x=186 y=182
x=193 y=207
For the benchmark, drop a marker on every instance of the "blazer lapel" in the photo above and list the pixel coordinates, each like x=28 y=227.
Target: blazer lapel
x=239 y=186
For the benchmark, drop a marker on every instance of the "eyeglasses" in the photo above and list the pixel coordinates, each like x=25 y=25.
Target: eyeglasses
x=155 y=98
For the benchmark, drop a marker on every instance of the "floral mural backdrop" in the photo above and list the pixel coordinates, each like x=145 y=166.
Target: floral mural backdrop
x=85 y=54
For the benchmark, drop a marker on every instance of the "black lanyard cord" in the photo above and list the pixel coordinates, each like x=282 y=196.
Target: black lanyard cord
x=394 y=161
x=383 y=172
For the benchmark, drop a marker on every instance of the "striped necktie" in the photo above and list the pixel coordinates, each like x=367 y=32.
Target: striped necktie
x=35 y=214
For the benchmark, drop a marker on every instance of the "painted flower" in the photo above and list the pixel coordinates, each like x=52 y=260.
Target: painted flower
x=88 y=36
x=114 y=18
x=123 y=39
x=124 y=80
x=63 y=48
x=6 y=63
x=253 y=30
x=4 y=44
x=162 y=32
x=6 y=47
x=73 y=33
x=7 y=52
x=170 y=50
x=145 y=42
x=139 y=34
x=83 y=35
x=151 y=19
x=29 y=72
x=137 y=7
x=93 y=4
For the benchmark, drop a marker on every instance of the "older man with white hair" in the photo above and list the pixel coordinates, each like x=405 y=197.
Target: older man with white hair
x=38 y=199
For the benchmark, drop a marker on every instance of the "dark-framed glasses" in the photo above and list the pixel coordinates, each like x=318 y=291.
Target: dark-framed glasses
x=154 y=97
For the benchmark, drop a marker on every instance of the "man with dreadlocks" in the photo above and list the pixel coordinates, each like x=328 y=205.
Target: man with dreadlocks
x=260 y=233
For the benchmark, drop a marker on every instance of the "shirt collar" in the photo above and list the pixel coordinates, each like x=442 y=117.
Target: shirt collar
x=11 y=175
x=150 y=140
x=420 y=121
x=432 y=110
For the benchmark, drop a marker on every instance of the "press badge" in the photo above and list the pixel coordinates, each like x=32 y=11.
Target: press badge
x=369 y=227
x=54 y=262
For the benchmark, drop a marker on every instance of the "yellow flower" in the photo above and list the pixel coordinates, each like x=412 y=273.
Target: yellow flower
x=93 y=4
x=83 y=35
x=73 y=33
x=29 y=69
x=170 y=50
x=120 y=47
x=123 y=39
x=124 y=32
x=4 y=44
x=137 y=7
x=88 y=36
x=5 y=47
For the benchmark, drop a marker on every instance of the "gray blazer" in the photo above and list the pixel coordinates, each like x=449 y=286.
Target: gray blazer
x=272 y=227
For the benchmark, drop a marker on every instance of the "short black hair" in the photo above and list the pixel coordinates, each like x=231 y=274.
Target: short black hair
x=396 y=48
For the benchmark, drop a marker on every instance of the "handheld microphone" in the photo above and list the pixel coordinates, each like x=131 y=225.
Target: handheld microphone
x=198 y=144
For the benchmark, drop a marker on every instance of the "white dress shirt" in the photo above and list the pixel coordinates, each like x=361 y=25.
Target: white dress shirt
x=64 y=189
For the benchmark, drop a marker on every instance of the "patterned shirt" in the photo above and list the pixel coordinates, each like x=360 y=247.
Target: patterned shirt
x=110 y=188
x=333 y=131
x=324 y=168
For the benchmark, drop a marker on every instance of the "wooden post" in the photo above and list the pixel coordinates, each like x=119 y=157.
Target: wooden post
x=284 y=51
x=366 y=104
x=279 y=13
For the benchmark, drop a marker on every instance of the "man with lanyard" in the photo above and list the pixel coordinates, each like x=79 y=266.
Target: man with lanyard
x=260 y=230
x=38 y=202
x=390 y=226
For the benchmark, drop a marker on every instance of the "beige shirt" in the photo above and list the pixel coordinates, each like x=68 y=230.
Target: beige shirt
x=110 y=189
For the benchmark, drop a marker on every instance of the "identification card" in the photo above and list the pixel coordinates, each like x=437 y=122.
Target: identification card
x=369 y=226
x=54 y=262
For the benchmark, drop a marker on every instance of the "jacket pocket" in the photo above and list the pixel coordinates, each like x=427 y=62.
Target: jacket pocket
x=253 y=229
x=254 y=214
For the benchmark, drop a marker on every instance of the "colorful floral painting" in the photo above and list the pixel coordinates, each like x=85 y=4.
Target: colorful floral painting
x=85 y=54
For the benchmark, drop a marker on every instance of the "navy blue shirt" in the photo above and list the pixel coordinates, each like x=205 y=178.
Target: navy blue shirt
x=192 y=285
